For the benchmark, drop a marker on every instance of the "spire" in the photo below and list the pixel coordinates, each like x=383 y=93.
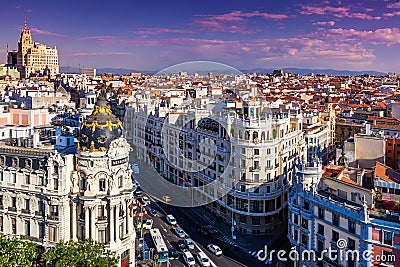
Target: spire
x=25 y=23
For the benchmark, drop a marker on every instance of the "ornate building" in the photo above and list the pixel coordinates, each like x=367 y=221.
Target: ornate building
x=46 y=196
x=35 y=57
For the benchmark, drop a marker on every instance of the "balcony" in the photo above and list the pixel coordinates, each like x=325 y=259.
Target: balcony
x=53 y=217
x=14 y=209
x=102 y=218
x=39 y=213
x=26 y=211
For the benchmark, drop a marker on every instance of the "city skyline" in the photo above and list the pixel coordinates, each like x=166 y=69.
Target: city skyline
x=312 y=34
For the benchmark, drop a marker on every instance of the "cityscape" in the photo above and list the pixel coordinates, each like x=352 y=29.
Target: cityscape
x=200 y=134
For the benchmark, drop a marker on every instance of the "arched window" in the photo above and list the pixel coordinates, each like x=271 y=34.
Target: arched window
x=247 y=135
x=262 y=136
x=255 y=135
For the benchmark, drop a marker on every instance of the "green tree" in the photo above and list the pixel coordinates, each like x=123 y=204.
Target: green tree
x=85 y=253
x=16 y=252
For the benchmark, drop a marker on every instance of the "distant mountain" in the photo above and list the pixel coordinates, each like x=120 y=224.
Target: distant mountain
x=68 y=69
x=317 y=71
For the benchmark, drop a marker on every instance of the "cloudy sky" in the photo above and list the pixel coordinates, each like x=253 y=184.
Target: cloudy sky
x=152 y=35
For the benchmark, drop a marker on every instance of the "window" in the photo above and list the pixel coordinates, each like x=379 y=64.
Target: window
x=321 y=229
x=14 y=202
x=27 y=228
x=352 y=227
x=335 y=236
x=102 y=235
x=27 y=179
x=27 y=204
x=321 y=213
x=14 y=226
x=53 y=212
x=306 y=205
x=304 y=239
x=268 y=164
x=102 y=185
x=100 y=211
x=304 y=223
x=41 y=180
x=387 y=257
x=1 y=222
x=53 y=233
x=120 y=181
x=296 y=219
x=320 y=246
x=351 y=244
x=255 y=220
x=388 y=238
x=55 y=183
x=256 y=152
x=14 y=177
x=1 y=176
x=335 y=219
x=256 y=177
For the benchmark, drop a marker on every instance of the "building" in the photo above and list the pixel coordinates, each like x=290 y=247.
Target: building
x=246 y=146
x=337 y=209
x=89 y=72
x=316 y=136
x=47 y=196
x=35 y=58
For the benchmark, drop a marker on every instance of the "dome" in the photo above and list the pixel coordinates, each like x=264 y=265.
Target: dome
x=99 y=129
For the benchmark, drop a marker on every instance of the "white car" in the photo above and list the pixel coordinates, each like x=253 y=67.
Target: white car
x=214 y=249
x=189 y=243
x=179 y=232
x=149 y=224
x=189 y=259
x=145 y=201
x=171 y=219
x=203 y=259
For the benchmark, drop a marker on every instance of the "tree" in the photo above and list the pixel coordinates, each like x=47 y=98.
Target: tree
x=85 y=253
x=16 y=252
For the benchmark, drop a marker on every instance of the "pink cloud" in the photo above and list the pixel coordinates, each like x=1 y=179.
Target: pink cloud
x=324 y=23
x=234 y=22
x=149 y=31
x=101 y=53
x=110 y=40
x=338 y=12
x=393 y=5
x=385 y=36
x=392 y=14
x=45 y=32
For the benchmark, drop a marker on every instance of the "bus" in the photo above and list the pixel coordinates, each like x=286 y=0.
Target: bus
x=161 y=250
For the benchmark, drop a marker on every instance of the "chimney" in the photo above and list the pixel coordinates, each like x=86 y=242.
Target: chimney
x=368 y=129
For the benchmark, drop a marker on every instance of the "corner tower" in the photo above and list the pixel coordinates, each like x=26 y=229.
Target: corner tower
x=104 y=193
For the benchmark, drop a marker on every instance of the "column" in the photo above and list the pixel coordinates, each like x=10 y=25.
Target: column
x=74 y=222
x=87 y=225
x=111 y=223
x=93 y=223
x=117 y=234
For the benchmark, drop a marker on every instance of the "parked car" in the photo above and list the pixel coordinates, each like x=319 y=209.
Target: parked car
x=189 y=259
x=173 y=254
x=203 y=259
x=179 y=232
x=214 y=249
x=189 y=243
x=171 y=219
x=149 y=224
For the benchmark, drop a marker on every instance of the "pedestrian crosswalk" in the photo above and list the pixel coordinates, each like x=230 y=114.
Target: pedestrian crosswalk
x=256 y=254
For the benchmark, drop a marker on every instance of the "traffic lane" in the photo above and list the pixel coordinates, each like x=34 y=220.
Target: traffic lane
x=170 y=237
x=231 y=256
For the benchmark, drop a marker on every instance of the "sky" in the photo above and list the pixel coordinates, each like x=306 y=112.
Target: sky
x=152 y=35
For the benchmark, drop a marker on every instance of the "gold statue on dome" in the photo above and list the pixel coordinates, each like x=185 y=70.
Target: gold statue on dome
x=78 y=146
x=92 y=148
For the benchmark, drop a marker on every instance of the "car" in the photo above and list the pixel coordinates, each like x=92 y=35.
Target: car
x=189 y=243
x=171 y=219
x=153 y=212
x=181 y=245
x=203 y=259
x=138 y=193
x=214 y=249
x=135 y=168
x=173 y=254
x=205 y=230
x=145 y=201
x=189 y=259
x=179 y=232
x=149 y=224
